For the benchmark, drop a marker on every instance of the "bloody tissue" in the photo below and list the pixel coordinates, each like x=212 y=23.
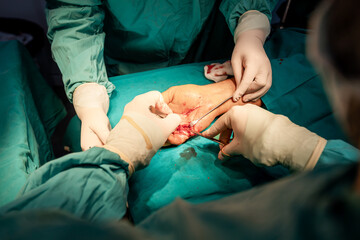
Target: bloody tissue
x=184 y=129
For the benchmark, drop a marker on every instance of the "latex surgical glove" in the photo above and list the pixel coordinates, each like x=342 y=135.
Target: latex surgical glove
x=218 y=72
x=266 y=138
x=140 y=132
x=91 y=103
x=250 y=64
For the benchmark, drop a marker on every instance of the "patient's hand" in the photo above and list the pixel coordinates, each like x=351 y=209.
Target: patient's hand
x=193 y=101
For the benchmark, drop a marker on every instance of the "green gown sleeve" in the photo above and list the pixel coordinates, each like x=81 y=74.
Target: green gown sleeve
x=77 y=42
x=233 y=9
x=338 y=152
x=92 y=185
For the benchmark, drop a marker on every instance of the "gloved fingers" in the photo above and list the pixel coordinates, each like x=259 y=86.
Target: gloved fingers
x=254 y=96
x=220 y=125
x=261 y=92
x=261 y=80
x=169 y=123
x=162 y=107
x=225 y=137
x=229 y=150
x=88 y=138
x=247 y=78
x=238 y=69
x=143 y=101
x=228 y=68
x=154 y=105
x=102 y=130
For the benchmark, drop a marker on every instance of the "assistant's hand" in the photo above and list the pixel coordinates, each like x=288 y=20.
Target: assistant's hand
x=91 y=103
x=140 y=133
x=251 y=66
x=266 y=139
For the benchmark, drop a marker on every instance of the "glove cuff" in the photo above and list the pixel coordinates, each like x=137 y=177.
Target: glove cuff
x=250 y=20
x=122 y=156
x=316 y=154
x=135 y=139
x=90 y=95
x=270 y=139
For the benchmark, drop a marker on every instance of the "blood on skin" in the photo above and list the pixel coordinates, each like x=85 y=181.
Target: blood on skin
x=185 y=128
x=187 y=112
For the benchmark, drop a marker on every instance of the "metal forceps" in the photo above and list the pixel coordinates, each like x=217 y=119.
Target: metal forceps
x=192 y=123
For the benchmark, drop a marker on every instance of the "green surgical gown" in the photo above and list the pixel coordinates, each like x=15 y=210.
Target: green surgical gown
x=94 y=39
x=92 y=185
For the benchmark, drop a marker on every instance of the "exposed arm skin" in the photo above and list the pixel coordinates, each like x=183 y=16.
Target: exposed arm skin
x=193 y=101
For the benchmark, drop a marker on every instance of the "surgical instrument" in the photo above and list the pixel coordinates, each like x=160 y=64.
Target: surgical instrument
x=192 y=123
x=211 y=139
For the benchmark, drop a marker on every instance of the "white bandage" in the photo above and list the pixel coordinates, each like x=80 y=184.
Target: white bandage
x=218 y=72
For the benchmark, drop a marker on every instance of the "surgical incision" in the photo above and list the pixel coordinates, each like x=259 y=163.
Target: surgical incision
x=184 y=128
x=193 y=101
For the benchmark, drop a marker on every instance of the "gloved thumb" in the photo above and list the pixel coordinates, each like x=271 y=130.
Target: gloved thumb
x=170 y=123
x=229 y=150
x=88 y=138
x=102 y=130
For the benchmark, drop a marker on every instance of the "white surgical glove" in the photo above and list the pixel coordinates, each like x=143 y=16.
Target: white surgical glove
x=218 y=72
x=266 y=138
x=140 y=133
x=91 y=103
x=250 y=64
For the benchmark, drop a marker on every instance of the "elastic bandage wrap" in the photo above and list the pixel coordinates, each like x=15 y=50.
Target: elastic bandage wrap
x=250 y=20
x=280 y=141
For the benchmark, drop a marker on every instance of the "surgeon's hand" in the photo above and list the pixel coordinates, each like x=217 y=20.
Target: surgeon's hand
x=193 y=101
x=146 y=123
x=251 y=66
x=91 y=103
x=266 y=139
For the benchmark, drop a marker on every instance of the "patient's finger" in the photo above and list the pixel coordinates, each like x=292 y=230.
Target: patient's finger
x=168 y=95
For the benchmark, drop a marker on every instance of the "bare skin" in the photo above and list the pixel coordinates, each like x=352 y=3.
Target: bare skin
x=193 y=101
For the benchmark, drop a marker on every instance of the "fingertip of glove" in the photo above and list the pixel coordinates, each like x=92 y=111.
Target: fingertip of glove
x=174 y=118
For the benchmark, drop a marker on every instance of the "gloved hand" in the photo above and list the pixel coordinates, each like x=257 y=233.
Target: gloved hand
x=266 y=139
x=140 y=132
x=250 y=64
x=91 y=103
